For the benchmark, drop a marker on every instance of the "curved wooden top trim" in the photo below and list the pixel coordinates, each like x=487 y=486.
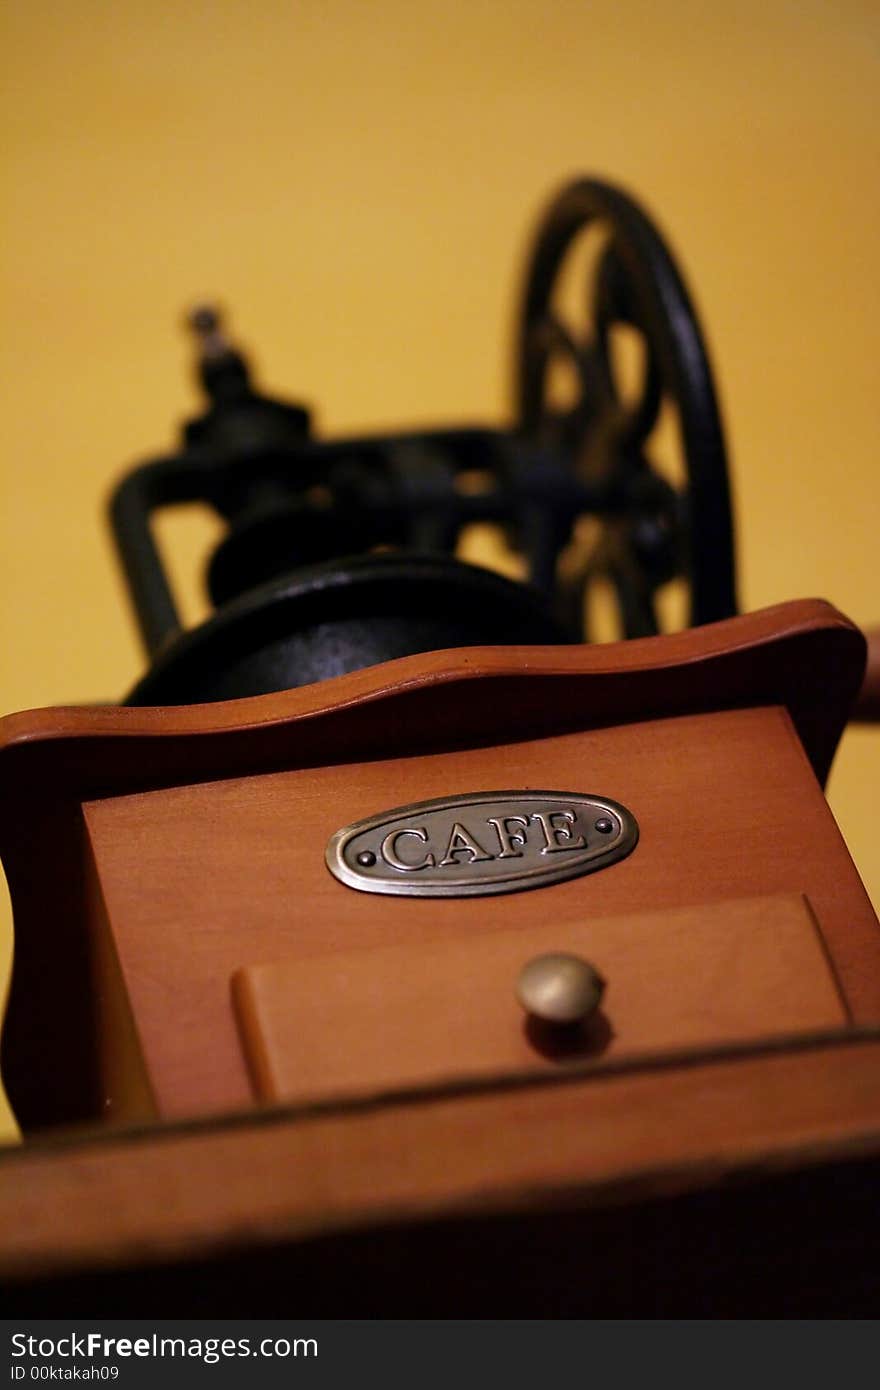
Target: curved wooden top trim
x=804 y=655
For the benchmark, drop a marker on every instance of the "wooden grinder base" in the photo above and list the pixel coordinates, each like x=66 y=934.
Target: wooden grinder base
x=184 y=959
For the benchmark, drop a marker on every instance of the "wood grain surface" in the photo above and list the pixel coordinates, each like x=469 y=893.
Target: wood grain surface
x=207 y=824
x=424 y=1014
x=593 y=1140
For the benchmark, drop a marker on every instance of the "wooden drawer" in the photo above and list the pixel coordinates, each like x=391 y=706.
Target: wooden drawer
x=422 y=1014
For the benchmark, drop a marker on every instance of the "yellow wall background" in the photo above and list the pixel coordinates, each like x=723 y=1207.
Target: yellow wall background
x=357 y=181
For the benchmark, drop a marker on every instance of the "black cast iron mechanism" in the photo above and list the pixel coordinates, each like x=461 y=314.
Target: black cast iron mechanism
x=341 y=553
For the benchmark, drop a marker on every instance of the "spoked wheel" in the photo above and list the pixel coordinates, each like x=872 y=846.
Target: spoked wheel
x=655 y=525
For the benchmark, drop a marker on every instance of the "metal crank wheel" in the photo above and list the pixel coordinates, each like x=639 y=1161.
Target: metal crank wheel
x=653 y=525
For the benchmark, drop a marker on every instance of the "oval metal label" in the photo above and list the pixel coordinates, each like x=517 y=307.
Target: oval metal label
x=485 y=842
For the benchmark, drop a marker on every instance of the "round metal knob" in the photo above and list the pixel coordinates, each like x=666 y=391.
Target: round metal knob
x=560 y=988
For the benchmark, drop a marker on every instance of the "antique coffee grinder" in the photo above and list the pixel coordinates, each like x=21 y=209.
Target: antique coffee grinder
x=397 y=948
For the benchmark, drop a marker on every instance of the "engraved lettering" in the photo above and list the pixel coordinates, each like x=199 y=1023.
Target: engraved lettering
x=389 y=852
x=462 y=842
x=553 y=833
x=480 y=843
x=508 y=838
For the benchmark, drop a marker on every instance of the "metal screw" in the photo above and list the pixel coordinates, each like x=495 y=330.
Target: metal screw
x=604 y=826
x=204 y=319
x=560 y=988
x=206 y=323
x=366 y=859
